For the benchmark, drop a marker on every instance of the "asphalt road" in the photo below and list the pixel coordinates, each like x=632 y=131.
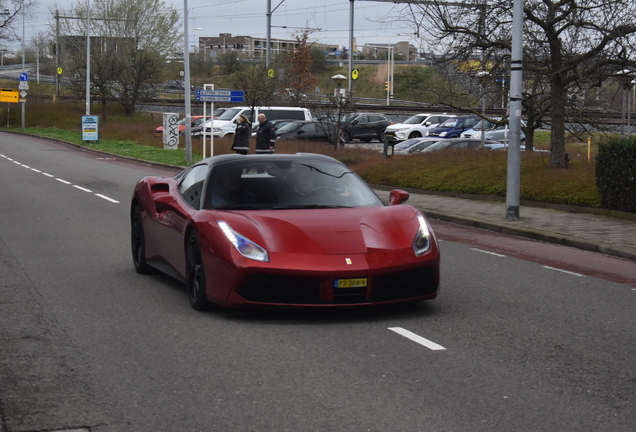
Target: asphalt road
x=511 y=344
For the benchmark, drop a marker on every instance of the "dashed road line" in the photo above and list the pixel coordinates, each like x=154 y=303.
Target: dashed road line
x=488 y=252
x=104 y=197
x=564 y=271
x=107 y=198
x=417 y=338
x=82 y=188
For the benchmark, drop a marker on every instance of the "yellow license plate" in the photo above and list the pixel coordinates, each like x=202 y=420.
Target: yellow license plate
x=349 y=283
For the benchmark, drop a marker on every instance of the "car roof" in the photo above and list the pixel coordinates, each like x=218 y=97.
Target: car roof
x=227 y=158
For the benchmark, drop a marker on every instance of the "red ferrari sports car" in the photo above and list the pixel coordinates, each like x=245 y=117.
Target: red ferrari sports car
x=280 y=230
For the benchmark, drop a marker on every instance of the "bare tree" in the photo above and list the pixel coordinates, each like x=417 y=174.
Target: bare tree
x=12 y=15
x=568 y=44
x=258 y=89
x=129 y=41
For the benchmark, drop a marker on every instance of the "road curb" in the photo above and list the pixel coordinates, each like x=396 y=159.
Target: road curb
x=530 y=234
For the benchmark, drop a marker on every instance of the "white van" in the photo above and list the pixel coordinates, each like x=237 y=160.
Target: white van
x=226 y=123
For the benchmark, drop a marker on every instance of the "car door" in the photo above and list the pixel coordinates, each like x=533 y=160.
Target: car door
x=358 y=127
x=307 y=132
x=174 y=218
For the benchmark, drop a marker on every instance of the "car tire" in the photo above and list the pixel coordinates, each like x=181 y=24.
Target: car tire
x=195 y=274
x=138 y=242
x=381 y=137
x=415 y=134
x=346 y=136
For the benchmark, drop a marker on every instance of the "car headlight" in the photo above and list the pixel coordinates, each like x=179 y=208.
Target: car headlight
x=243 y=245
x=216 y=129
x=443 y=134
x=422 y=241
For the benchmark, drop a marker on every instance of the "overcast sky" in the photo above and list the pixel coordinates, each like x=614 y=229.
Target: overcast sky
x=328 y=18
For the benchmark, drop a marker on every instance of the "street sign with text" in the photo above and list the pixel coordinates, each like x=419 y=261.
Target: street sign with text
x=220 y=96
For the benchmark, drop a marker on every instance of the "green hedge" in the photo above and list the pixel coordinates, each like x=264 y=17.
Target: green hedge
x=616 y=174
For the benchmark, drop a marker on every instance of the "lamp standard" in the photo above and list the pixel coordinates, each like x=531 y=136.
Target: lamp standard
x=483 y=77
x=269 y=30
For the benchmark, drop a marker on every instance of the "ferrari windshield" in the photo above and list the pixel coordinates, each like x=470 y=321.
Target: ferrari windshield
x=278 y=184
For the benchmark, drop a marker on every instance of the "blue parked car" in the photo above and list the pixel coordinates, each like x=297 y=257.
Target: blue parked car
x=453 y=127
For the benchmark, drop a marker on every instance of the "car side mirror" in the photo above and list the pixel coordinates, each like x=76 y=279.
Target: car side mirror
x=398 y=196
x=300 y=132
x=428 y=123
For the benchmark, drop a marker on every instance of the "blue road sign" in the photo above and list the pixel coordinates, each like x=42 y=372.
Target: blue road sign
x=337 y=52
x=24 y=76
x=219 y=96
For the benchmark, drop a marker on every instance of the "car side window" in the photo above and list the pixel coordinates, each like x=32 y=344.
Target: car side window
x=191 y=186
x=374 y=118
x=361 y=119
x=309 y=128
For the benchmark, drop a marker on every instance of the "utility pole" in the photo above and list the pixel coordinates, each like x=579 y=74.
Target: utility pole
x=57 y=53
x=188 y=102
x=513 y=183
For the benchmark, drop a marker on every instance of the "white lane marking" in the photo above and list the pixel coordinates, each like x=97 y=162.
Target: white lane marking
x=563 y=271
x=82 y=188
x=61 y=180
x=107 y=199
x=416 y=338
x=487 y=252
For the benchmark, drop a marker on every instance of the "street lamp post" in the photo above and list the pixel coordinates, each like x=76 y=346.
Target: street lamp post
x=270 y=11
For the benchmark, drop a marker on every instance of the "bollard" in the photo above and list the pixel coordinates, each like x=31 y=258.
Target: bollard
x=389 y=142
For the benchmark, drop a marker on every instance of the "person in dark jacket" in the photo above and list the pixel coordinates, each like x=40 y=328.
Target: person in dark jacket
x=241 y=144
x=265 y=136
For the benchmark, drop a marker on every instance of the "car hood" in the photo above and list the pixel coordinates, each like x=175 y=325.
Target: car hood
x=400 y=126
x=328 y=231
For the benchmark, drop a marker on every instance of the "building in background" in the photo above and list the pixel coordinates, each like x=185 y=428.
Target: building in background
x=374 y=51
x=250 y=47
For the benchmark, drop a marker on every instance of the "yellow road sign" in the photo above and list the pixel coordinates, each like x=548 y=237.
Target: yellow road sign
x=354 y=74
x=9 y=95
x=270 y=73
x=59 y=70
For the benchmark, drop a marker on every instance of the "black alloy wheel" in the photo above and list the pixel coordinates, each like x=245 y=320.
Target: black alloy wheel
x=195 y=275
x=381 y=137
x=346 y=136
x=138 y=242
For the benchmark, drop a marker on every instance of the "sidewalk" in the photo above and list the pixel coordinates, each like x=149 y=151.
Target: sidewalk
x=598 y=233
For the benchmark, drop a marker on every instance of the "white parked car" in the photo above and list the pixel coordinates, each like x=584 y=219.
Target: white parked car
x=491 y=132
x=416 y=126
x=226 y=123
